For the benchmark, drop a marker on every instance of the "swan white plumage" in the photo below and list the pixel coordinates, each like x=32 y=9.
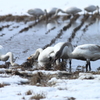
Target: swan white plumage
x=62 y=51
x=87 y=52
x=44 y=57
x=70 y=10
x=51 y=11
x=36 y=54
x=91 y=8
x=36 y=12
x=5 y=57
x=48 y=54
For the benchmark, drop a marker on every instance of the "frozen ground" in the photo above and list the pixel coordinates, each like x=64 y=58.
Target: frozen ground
x=82 y=88
x=24 y=44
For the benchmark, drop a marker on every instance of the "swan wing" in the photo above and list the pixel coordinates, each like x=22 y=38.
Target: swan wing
x=95 y=48
x=91 y=48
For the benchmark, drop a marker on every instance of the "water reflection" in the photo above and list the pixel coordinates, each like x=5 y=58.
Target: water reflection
x=75 y=24
x=51 y=24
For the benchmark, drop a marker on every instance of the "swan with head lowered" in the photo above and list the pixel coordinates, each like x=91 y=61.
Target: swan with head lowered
x=87 y=52
x=91 y=8
x=62 y=51
x=36 y=12
x=48 y=54
x=36 y=54
x=69 y=11
x=44 y=57
x=5 y=57
x=50 y=12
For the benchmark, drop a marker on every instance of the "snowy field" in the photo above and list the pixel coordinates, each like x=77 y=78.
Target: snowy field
x=86 y=86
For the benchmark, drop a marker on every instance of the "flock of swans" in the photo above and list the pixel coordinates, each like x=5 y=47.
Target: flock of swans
x=37 y=12
x=64 y=50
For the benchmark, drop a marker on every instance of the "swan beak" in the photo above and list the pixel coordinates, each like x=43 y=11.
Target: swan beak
x=29 y=58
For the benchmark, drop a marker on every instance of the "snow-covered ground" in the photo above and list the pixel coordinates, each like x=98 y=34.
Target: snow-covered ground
x=24 y=44
x=82 y=88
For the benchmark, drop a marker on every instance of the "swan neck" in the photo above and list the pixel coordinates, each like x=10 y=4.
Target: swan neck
x=11 y=59
x=59 y=53
x=45 y=11
x=37 y=53
x=10 y=55
x=57 y=11
x=62 y=11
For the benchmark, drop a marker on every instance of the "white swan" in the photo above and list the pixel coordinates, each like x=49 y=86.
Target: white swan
x=91 y=8
x=5 y=57
x=36 y=12
x=70 y=11
x=88 y=52
x=50 y=12
x=46 y=56
x=43 y=56
x=61 y=50
x=36 y=54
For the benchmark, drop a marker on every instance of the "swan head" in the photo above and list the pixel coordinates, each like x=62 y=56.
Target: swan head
x=30 y=57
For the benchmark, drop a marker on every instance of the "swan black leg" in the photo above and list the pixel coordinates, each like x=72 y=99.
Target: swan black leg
x=86 y=66
x=89 y=66
x=70 y=65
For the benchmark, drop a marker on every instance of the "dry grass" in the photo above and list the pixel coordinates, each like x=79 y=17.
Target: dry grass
x=66 y=17
x=2 y=85
x=29 y=92
x=60 y=88
x=19 y=94
x=71 y=98
x=61 y=66
x=38 y=96
x=39 y=78
x=16 y=18
x=97 y=72
x=23 y=98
